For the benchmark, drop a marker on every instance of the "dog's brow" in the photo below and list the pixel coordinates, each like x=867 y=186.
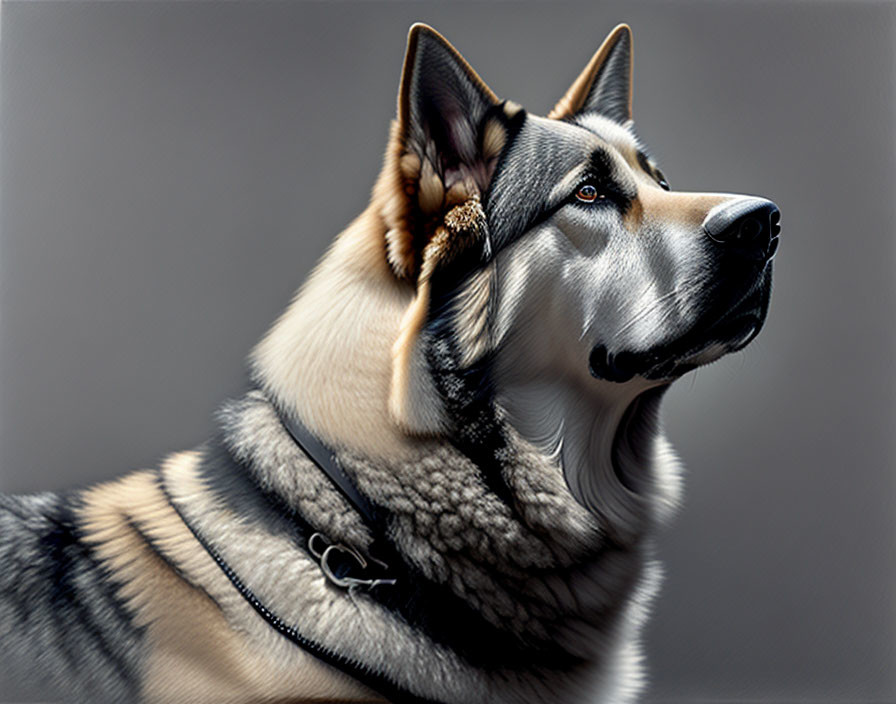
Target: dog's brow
x=567 y=183
x=598 y=164
x=601 y=163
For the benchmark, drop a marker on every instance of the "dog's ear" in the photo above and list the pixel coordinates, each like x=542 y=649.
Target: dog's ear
x=450 y=132
x=444 y=145
x=605 y=86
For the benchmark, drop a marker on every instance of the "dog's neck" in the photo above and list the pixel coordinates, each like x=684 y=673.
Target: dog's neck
x=571 y=424
x=589 y=428
x=328 y=359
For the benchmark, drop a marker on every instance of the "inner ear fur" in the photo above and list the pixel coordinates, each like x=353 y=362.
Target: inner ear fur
x=443 y=149
x=605 y=85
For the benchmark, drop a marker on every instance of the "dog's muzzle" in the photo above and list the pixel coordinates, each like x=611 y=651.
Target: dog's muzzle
x=744 y=232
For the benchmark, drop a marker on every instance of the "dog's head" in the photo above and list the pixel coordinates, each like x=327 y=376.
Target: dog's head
x=553 y=247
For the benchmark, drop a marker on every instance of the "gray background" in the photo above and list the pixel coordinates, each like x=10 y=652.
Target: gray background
x=170 y=172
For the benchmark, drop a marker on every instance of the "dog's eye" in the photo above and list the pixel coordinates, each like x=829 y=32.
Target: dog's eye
x=661 y=180
x=589 y=193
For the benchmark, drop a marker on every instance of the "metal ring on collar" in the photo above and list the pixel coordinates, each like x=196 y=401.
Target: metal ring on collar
x=346 y=582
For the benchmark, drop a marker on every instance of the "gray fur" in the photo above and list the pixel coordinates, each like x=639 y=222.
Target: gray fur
x=541 y=155
x=63 y=630
x=252 y=431
x=543 y=571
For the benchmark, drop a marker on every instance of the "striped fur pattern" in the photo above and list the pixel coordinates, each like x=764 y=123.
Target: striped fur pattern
x=62 y=616
x=484 y=349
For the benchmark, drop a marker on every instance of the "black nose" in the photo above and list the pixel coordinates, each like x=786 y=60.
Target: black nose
x=748 y=227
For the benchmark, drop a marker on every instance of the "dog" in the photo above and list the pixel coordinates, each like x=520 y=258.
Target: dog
x=446 y=479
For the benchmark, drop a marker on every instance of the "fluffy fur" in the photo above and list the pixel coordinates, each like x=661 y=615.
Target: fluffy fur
x=484 y=350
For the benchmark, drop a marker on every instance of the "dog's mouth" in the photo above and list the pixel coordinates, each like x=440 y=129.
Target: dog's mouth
x=731 y=331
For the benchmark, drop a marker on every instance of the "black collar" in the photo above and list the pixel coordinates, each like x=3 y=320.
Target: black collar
x=344 y=565
x=326 y=461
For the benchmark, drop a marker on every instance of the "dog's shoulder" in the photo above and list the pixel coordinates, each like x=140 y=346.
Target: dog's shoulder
x=60 y=612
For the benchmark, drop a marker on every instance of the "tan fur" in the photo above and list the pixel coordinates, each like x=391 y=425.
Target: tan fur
x=195 y=655
x=573 y=100
x=493 y=140
x=393 y=194
x=634 y=217
x=463 y=225
x=511 y=109
x=432 y=190
x=679 y=207
x=472 y=316
x=405 y=367
x=354 y=298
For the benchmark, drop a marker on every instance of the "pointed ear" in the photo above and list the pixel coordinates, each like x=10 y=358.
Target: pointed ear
x=441 y=101
x=449 y=133
x=605 y=86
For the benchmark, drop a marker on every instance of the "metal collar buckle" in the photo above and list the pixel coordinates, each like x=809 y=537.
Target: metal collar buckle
x=324 y=550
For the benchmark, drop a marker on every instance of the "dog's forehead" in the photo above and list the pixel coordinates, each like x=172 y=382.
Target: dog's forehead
x=543 y=153
x=564 y=140
x=621 y=137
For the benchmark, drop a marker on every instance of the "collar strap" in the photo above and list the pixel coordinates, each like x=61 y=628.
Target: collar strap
x=342 y=564
x=326 y=461
x=376 y=681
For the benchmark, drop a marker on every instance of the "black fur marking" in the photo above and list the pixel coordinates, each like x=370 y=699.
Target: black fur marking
x=601 y=172
x=644 y=163
x=449 y=621
x=60 y=605
x=236 y=485
x=67 y=556
x=467 y=393
x=652 y=171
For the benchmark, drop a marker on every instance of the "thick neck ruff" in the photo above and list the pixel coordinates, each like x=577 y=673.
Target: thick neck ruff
x=496 y=595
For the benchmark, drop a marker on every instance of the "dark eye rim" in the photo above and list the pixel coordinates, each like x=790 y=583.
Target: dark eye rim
x=596 y=195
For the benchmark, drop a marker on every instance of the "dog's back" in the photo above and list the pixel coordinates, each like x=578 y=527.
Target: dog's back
x=106 y=595
x=61 y=621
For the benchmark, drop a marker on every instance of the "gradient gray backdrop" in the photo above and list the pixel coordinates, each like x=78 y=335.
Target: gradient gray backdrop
x=170 y=173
